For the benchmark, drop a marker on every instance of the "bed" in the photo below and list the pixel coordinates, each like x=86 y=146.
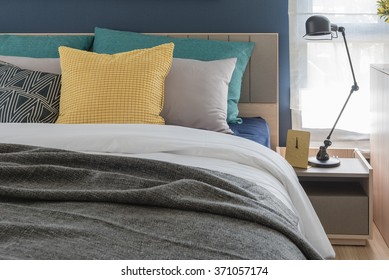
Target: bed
x=151 y=191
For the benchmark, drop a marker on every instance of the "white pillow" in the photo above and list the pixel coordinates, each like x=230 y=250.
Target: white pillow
x=196 y=94
x=48 y=65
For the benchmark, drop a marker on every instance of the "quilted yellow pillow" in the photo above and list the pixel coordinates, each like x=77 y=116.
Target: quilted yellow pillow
x=120 y=88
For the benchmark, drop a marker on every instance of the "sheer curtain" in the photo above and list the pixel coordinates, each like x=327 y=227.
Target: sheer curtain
x=320 y=73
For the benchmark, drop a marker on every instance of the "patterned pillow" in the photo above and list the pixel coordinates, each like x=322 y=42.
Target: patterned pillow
x=28 y=96
x=121 y=88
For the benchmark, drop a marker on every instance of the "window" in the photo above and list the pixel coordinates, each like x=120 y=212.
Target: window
x=321 y=77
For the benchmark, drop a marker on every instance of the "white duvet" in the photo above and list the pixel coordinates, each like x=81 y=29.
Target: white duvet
x=199 y=148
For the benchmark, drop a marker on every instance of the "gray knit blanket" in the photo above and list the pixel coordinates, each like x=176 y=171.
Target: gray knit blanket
x=57 y=204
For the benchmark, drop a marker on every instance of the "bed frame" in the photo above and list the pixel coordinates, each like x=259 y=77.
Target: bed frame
x=260 y=83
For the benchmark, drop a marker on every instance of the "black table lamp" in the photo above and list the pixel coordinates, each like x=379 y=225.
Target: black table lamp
x=320 y=26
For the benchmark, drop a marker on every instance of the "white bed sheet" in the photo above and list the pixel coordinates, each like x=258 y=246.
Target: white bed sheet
x=199 y=148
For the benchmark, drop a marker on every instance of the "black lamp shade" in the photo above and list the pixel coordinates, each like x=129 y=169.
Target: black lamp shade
x=317 y=26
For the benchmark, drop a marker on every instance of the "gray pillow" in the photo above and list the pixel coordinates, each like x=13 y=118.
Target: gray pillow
x=49 y=65
x=196 y=94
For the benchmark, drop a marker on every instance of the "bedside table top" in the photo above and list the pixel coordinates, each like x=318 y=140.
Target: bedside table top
x=352 y=165
x=349 y=167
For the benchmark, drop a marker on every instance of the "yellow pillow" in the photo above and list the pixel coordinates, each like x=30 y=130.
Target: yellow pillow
x=120 y=88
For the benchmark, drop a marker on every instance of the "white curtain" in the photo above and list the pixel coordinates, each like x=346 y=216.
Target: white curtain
x=321 y=77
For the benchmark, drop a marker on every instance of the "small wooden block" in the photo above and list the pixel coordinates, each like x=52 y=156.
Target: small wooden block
x=297 y=148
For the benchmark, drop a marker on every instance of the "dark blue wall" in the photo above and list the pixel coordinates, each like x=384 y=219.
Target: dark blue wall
x=158 y=16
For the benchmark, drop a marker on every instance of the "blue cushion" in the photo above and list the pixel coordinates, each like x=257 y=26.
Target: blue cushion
x=41 y=46
x=113 y=41
x=255 y=129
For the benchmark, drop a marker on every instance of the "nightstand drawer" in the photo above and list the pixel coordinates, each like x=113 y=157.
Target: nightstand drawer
x=342 y=207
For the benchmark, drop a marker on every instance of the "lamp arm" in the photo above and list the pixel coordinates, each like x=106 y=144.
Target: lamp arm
x=341 y=112
x=342 y=30
x=322 y=155
x=354 y=87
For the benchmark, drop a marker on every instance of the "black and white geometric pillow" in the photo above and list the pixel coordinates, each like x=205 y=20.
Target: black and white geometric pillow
x=28 y=96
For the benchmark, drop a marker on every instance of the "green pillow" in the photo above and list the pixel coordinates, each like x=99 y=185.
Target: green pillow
x=112 y=41
x=41 y=46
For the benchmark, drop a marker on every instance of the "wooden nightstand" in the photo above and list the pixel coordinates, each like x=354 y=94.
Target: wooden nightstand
x=342 y=196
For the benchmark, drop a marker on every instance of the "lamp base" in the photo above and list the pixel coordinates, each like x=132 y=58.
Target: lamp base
x=331 y=162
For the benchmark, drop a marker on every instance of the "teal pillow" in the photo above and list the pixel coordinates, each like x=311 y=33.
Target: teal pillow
x=41 y=46
x=112 y=41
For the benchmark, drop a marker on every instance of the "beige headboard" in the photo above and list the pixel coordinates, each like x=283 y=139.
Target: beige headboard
x=260 y=82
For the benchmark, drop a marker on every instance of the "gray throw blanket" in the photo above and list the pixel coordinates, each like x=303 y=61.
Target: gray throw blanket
x=57 y=204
